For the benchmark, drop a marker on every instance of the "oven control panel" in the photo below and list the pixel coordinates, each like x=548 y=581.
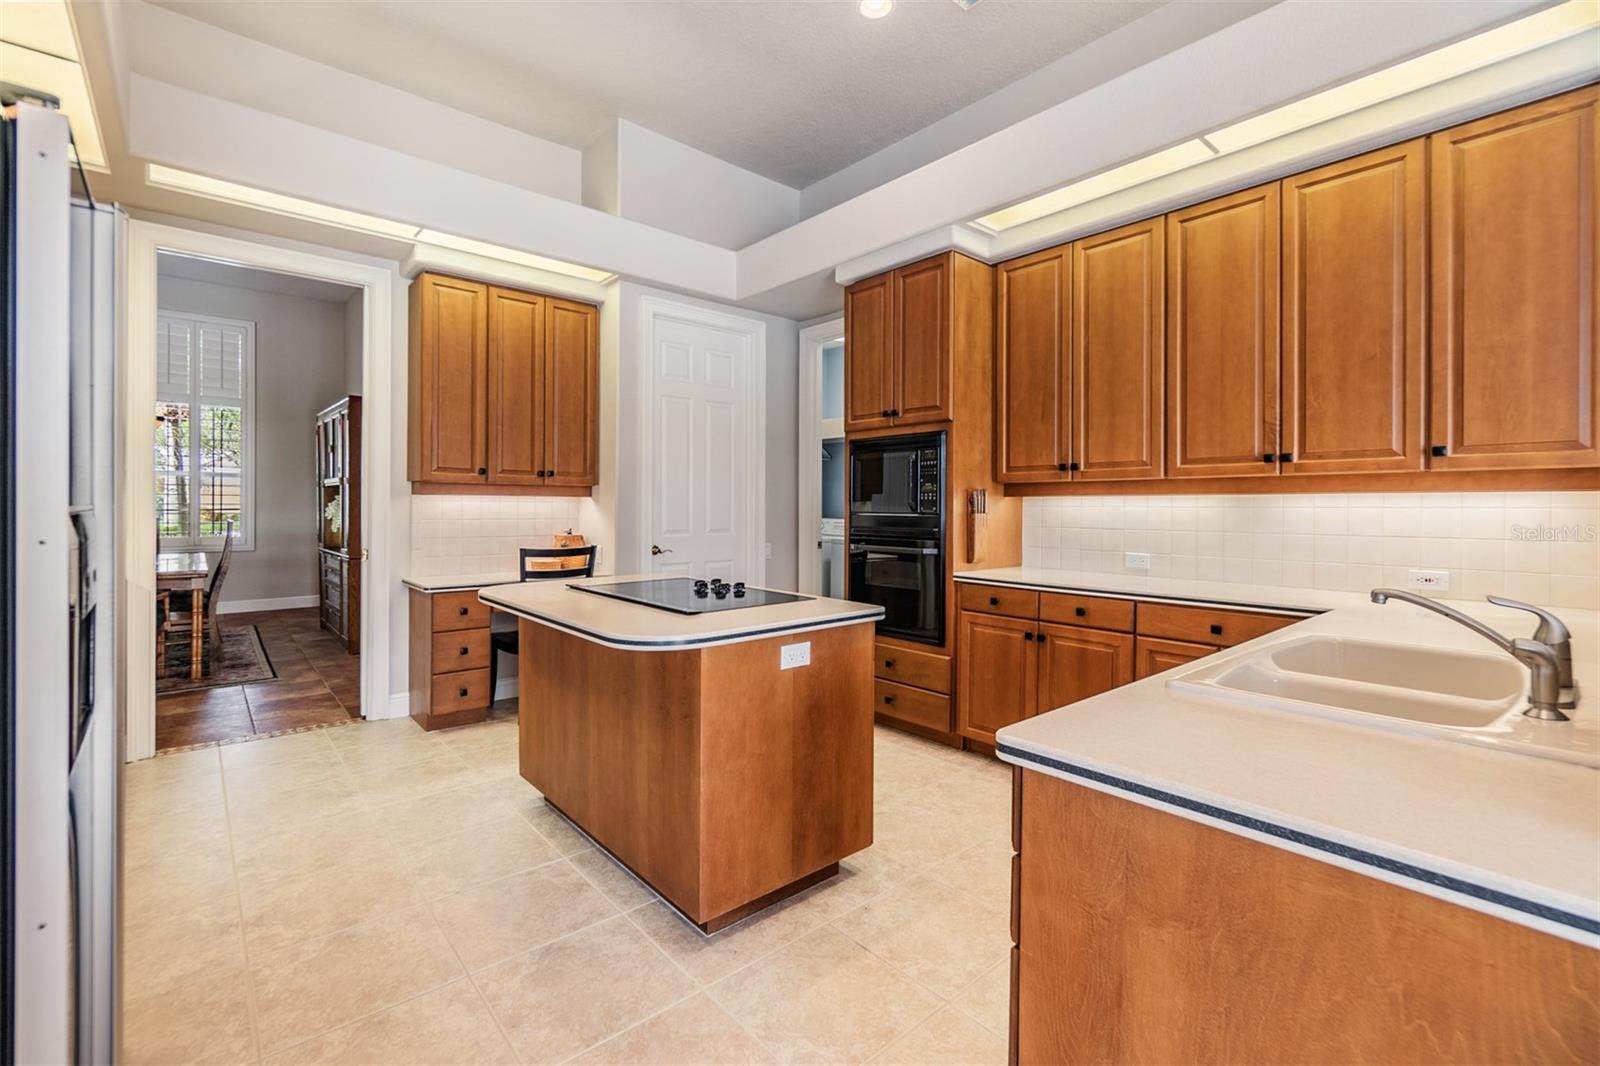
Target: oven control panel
x=928 y=481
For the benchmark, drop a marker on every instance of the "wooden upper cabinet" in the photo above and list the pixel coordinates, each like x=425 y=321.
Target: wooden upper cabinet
x=516 y=387
x=572 y=393
x=1118 y=341
x=996 y=673
x=449 y=375
x=1353 y=259
x=1222 y=336
x=869 y=352
x=1515 y=270
x=1076 y=663
x=504 y=388
x=1033 y=398
x=920 y=379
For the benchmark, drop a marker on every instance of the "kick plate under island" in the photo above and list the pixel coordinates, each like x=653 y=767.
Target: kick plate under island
x=718 y=745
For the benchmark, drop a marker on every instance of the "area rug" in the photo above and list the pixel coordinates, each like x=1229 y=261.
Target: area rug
x=244 y=659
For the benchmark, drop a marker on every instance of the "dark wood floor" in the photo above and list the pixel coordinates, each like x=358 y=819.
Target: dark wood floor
x=318 y=683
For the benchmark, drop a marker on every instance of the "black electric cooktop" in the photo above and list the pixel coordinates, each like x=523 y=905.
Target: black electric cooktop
x=687 y=595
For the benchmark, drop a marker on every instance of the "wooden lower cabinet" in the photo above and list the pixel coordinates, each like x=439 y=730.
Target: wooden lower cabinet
x=1152 y=655
x=1142 y=936
x=1076 y=663
x=996 y=669
x=449 y=658
x=912 y=688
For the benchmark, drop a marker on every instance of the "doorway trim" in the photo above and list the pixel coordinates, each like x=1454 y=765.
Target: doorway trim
x=137 y=526
x=654 y=310
x=808 y=476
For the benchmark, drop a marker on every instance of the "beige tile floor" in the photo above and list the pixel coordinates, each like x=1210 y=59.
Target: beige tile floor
x=376 y=894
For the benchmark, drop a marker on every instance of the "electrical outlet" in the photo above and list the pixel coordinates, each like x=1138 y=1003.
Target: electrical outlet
x=1136 y=560
x=1429 y=580
x=793 y=655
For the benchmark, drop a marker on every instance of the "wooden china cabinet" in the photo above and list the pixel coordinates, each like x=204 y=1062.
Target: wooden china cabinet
x=338 y=433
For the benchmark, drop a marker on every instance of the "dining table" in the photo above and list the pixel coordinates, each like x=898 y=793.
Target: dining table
x=187 y=570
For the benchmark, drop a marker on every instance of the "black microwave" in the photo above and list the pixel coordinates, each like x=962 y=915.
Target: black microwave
x=898 y=482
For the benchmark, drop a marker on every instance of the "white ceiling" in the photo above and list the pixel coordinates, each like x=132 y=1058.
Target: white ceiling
x=793 y=91
x=191 y=268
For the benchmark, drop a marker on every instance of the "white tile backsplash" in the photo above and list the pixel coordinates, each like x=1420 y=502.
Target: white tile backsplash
x=481 y=534
x=1538 y=546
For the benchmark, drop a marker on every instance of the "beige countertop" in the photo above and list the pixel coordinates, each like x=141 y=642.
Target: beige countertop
x=458 y=582
x=1511 y=834
x=1176 y=590
x=618 y=624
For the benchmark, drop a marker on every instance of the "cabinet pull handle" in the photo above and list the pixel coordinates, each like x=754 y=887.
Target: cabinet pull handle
x=1440 y=451
x=482 y=470
x=462 y=611
x=888 y=699
x=894 y=412
x=888 y=664
x=1286 y=457
x=885 y=413
x=1027 y=636
x=463 y=650
x=1080 y=611
x=994 y=601
x=1269 y=458
x=1073 y=467
x=461 y=692
x=1216 y=629
x=1062 y=467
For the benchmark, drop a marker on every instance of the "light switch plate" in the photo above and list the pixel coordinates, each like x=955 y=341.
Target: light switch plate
x=793 y=655
x=1431 y=580
x=1136 y=560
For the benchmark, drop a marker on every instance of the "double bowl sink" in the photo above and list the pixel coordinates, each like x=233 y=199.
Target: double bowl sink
x=1423 y=691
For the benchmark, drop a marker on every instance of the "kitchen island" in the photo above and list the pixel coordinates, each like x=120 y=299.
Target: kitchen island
x=724 y=757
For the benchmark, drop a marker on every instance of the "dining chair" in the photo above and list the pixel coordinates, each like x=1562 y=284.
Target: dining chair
x=185 y=613
x=505 y=640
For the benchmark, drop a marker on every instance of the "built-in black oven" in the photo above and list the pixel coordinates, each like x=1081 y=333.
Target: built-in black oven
x=897 y=532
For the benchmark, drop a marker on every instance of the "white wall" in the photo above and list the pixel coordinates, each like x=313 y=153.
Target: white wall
x=301 y=367
x=353 y=340
x=1535 y=546
x=781 y=506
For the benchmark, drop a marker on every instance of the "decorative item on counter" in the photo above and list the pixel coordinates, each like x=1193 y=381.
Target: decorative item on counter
x=569 y=539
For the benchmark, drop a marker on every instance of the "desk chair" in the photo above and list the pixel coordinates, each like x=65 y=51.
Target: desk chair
x=505 y=640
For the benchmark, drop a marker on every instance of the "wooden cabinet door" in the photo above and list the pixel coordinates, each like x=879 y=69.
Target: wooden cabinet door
x=1076 y=663
x=572 y=393
x=1151 y=655
x=516 y=387
x=920 y=379
x=869 y=352
x=1515 y=270
x=1118 y=338
x=1033 y=374
x=1353 y=314
x=449 y=381
x=1222 y=336
x=996 y=673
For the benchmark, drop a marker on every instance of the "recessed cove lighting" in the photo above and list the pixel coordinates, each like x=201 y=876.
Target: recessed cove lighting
x=1126 y=176
x=510 y=255
x=875 y=9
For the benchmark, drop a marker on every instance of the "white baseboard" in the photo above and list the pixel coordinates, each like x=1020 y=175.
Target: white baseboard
x=282 y=603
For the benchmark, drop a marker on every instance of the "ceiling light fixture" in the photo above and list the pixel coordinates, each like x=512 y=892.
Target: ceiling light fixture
x=294 y=207
x=1492 y=46
x=875 y=9
x=1136 y=172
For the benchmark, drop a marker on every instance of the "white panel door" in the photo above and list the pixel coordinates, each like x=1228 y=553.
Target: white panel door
x=701 y=501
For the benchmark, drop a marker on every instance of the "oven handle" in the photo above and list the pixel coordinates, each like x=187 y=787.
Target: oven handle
x=893 y=549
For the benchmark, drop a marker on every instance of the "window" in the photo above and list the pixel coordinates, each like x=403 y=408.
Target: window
x=205 y=406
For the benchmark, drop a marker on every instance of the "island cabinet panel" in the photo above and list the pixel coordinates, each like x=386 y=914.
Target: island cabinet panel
x=1222 y=336
x=1076 y=663
x=504 y=390
x=869 y=353
x=997 y=670
x=1033 y=374
x=1146 y=937
x=516 y=387
x=1515 y=271
x=1152 y=655
x=1118 y=361
x=922 y=351
x=571 y=366
x=720 y=779
x=1353 y=260
x=449 y=381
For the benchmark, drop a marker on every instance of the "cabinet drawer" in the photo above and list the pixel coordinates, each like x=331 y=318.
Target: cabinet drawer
x=927 y=709
x=1206 y=625
x=1096 y=612
x=466 y=649
x=459 y=610
x=465 y=690
x=992 y=599
x=920 y=668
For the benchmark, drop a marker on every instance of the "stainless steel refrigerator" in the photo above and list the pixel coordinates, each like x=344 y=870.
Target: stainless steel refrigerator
x=59 y=737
